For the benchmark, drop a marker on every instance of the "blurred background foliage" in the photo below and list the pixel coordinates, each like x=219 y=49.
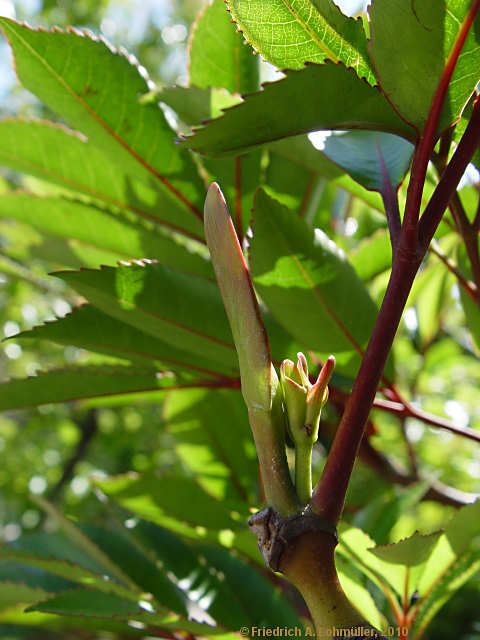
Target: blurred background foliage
x=37 y=445
x=54 y=450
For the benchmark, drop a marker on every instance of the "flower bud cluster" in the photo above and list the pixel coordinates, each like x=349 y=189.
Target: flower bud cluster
x=303 y=400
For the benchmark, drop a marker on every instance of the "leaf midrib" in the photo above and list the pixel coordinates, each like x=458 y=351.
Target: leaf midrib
x=130 y=306
x=59 y=178
x=91 y=344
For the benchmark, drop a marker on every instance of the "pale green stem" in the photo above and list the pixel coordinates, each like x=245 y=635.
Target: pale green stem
x=270 y=445
x=303 y=471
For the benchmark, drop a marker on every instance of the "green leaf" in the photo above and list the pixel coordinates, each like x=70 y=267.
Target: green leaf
x=65 y=158
x=53 y=627
x=411 y=553
x=370 y=156
x=83 y=542
x=139 y=566
x=239 y=178
x=259 y=601
x=201 y=580
x=358 y=593
x=301 y=151
x=117 y=233
x=213 y=439
x=192 y=104
x=25 y=575
x=379 y=516
x=459 y=534
x=410 y=46
x=88 y=602
x=309 y=286
x=434 y=282
x=99 y=96
x=354 y=545
x=161 y=498
x=89 y=328
x=289 y=33
x=457 y=575
x=470 y=307
x=184 y=311
x=203 y=575
x=77 y=383
x=12 y=594
x=217 y=55
x=68 y=570
x=372 y=256
x=291 y=185
x=337 y=99
x=62 y=546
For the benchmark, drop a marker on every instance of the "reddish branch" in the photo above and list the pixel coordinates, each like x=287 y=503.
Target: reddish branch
x=391 y=471
x=402 y=409
x=468 y=286
x=329 y=496
x=468 y=231
x=89 y=429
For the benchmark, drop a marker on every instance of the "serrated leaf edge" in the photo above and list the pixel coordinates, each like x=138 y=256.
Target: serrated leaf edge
x=80 y=615
x=24 y=556
x=325 y=60
x=183 y=139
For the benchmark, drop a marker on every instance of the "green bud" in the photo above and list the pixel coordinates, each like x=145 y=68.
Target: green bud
x=317 y=397
x=295 y=396
x=304 y=400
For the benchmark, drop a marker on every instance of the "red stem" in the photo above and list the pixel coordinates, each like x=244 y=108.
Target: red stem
x=468 y=286
x=329 y=496
x=402 y=409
